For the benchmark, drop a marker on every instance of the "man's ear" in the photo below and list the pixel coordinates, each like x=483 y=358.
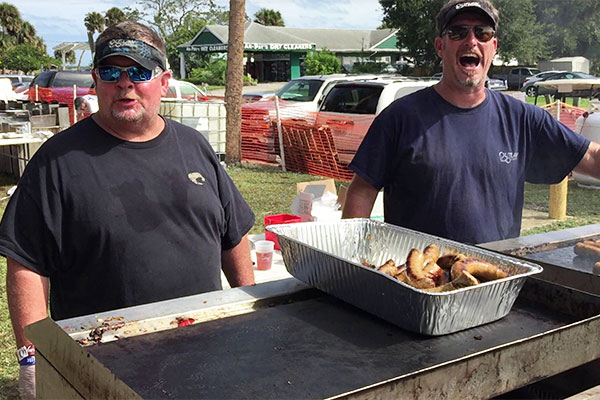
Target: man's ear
x=439 y=46
x=164 y=87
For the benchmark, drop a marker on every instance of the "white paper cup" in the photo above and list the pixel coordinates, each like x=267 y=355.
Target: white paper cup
x=264 y=254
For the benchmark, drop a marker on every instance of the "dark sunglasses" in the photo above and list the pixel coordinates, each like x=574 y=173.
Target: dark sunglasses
x=459 y=32
x=137 y=74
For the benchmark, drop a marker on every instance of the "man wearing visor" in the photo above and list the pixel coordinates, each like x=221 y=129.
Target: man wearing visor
x=452 y=159
x=123 y=208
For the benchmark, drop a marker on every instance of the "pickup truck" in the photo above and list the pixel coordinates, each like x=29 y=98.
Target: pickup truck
x=517 y=76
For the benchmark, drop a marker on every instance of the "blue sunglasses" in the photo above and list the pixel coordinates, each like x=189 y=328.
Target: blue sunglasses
x=137 y=74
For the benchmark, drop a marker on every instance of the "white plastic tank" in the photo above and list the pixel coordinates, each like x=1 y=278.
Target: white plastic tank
x=590 y=128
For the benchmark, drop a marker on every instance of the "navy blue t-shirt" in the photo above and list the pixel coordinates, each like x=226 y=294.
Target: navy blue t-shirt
x=115 y=224
x=459 y=173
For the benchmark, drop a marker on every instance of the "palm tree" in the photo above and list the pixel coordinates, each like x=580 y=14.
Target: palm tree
x=25 y=34
x=268 y=17
x=114 y=16
x=10 y=18
x=94 y=22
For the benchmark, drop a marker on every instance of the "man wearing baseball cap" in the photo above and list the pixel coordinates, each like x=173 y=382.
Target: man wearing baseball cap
x=123 y=208
x=452 y=159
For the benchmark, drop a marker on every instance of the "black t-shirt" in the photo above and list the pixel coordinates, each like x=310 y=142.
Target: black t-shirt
x=459 y=173
x=115 y=224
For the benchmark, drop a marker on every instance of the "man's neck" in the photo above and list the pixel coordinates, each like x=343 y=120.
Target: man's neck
x=461 y=96
x=139 y=131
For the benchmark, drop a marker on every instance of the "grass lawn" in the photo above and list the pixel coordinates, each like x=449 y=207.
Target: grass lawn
x=270 y=191
x=583 y=102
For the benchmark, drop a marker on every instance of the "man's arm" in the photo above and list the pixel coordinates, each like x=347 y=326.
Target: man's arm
x=360 y=199
x=27 y=295
x=590 y=163
x=237 y=264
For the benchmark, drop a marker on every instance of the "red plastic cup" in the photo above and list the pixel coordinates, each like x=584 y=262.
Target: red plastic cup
x=264 y=254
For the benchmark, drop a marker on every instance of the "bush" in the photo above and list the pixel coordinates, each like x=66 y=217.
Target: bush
x=249 y=80
x=322 y=63
x=213 y=73
x=368 y=67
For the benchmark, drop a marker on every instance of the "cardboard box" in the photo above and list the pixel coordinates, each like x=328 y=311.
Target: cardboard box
x=320 y=194
x=316 y=187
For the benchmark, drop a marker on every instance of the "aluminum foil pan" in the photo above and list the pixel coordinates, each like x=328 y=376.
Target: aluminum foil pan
x=327 y=255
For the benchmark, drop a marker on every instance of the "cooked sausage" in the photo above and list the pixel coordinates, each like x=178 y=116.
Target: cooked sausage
x=366 y=264
x=414 y=264
x=432 y=252
x=588 y=249
x=447 y=260
x=465 y=279
x=433 y=271
x=389 y=268
x=480 y=269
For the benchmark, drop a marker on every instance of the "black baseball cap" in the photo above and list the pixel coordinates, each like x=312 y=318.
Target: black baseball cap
x=139 y=51
x=460 y=7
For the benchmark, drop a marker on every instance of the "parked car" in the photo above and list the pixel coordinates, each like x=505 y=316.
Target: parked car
x=536 y=90
x=368 y=97
x=17 y=79
x=182 y=90
x=21 y=90
x=307 y=92
x=491 y=83
x=57 y=85
x=517 y=76
x=529 y=87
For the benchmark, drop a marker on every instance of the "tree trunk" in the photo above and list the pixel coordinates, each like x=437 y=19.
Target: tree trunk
x=91 y=43
x=234 y=82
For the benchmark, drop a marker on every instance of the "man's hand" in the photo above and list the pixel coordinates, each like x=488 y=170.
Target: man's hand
x=27 y=382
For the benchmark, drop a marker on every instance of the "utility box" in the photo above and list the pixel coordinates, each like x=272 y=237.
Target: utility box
x=571 y=64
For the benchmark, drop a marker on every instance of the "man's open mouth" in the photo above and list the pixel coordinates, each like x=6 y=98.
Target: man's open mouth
x=469 y=60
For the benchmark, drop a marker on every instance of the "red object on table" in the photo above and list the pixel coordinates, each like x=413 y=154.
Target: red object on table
x=278 y=219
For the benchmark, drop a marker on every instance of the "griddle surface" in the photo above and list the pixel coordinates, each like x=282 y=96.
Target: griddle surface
x=564 y=257
x=307 y=349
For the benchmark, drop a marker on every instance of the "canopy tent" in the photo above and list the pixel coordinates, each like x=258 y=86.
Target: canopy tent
x=64 y=47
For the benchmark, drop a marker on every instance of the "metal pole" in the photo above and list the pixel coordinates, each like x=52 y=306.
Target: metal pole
x=279 y=135
x=74 y=108
x=557 y=209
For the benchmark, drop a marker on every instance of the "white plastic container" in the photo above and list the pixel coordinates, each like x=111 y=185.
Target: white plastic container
x=208 y=118
x=590 y=128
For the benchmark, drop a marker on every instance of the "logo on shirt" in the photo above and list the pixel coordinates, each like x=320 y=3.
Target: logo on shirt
x=196 y=178
x=508 y=157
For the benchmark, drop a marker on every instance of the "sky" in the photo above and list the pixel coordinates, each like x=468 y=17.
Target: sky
x=64 y=21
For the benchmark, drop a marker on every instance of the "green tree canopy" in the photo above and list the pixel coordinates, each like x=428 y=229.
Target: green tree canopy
x=70 y=56
x=178 y=21
x=114 y=15
x=572 y=28
x=268 y=17
x=322 y=63
x=14 y=30
x=24 y=57
x=519 y=33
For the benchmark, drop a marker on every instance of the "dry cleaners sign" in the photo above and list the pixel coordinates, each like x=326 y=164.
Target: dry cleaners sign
x=253 y=46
